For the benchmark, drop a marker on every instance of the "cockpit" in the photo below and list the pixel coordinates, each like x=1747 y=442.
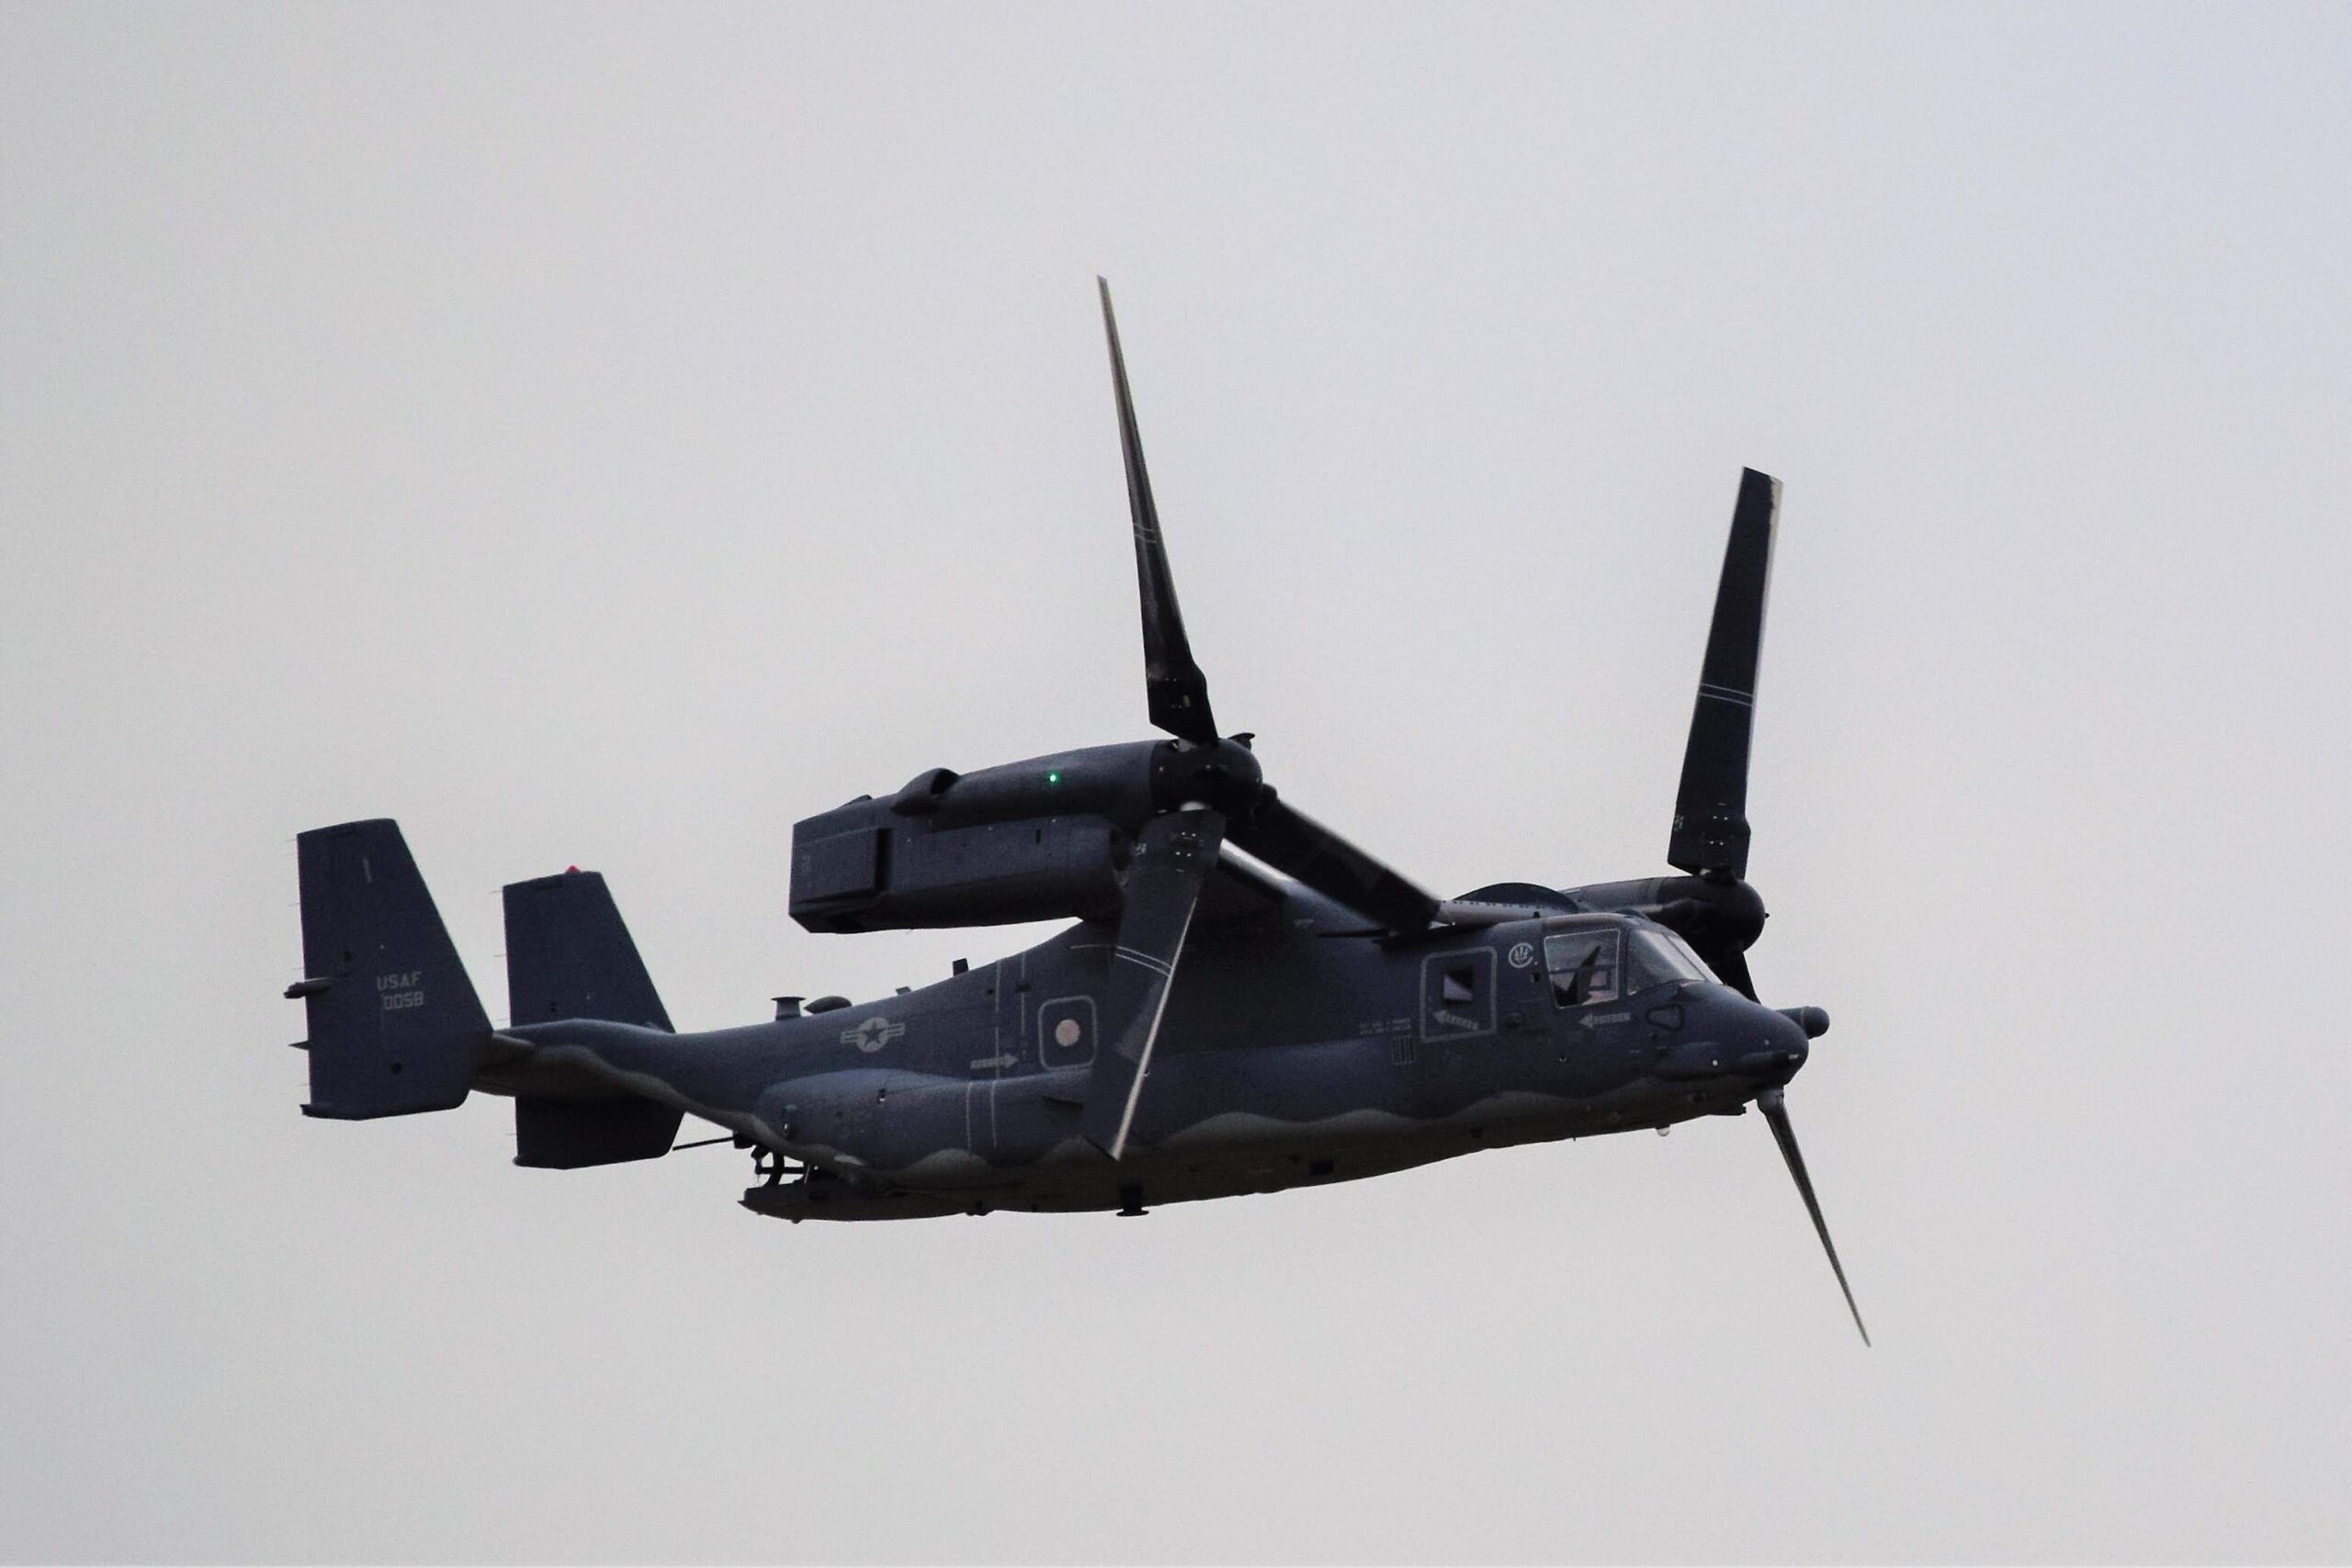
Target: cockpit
x=1594 y=960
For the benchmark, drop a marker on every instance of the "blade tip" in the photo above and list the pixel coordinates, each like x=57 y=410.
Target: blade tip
x=1752 y=480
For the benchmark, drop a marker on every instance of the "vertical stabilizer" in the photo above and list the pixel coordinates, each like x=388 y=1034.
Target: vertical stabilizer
x=569 y=955
x=395 y=1026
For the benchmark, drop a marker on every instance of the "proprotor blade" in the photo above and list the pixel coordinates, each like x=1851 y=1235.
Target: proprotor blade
x=1173 y=858
x=1177 y=692
x=1730 y=965
x=1293 y=842
x=1710 y=807
x=1776 y=1111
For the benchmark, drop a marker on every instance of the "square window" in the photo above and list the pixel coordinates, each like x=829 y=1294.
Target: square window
x=1457 y=994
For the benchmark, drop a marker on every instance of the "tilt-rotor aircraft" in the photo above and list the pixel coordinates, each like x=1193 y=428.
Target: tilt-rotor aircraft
x=1247 y=1003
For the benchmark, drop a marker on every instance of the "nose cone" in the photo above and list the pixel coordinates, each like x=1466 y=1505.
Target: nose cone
x=1728 y=1034
x=1778 y=1044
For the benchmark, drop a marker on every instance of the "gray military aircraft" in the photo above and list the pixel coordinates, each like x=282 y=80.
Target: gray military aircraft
x=1247 y=1003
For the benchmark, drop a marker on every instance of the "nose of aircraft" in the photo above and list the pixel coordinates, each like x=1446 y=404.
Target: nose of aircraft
x=1730 y=1034
x=1776 y=1043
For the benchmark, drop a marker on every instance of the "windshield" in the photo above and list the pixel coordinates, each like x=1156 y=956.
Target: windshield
x=1660 y=957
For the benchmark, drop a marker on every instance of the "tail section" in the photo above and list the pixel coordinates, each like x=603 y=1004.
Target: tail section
x=569 y=955
x=395 y=1026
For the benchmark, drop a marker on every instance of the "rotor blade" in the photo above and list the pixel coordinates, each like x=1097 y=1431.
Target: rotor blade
x=1719 y=941
x=1292 y=841
x=1730 y=965
x=1174 y=856
x=1711 y=806
x=1776 y=1111
x=1177 y=691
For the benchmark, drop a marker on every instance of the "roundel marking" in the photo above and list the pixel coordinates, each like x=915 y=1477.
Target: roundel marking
x=873 y=1035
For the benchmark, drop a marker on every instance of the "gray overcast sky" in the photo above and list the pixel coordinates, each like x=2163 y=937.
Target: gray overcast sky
x=602 y=436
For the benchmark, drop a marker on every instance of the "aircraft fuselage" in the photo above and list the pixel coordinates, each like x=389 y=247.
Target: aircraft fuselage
x=1295 y=1050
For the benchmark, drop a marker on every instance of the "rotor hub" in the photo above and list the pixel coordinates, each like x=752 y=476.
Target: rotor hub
x=1223 y=775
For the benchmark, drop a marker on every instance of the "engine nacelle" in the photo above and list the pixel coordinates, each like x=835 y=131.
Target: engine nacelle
x=1048 y=839
x=1042 y=839
x=1729 y=912
x=863 y=868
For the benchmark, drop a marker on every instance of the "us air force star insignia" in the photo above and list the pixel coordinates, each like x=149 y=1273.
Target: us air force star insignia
x=873 y=1035
x=1523 y=953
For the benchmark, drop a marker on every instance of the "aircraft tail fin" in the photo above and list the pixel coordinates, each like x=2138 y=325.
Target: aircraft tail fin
x=569 y=955
x=395 y=1025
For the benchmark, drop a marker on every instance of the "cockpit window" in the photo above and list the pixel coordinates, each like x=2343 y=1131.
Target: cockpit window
x=1661 y=958
x=1583 y=963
